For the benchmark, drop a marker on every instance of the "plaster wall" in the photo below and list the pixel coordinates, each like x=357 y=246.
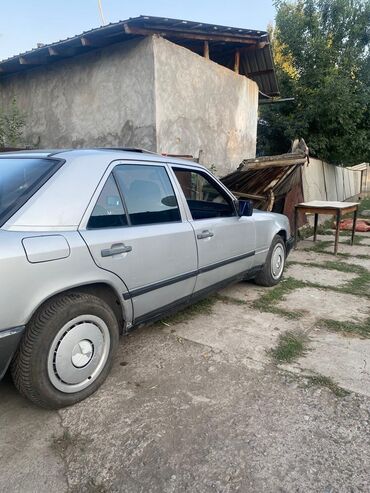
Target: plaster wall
x=203 y=108
x=147 y=93
x=102 y=98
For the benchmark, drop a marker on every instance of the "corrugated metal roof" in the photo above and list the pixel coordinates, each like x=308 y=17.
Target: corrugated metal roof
x=255 y=53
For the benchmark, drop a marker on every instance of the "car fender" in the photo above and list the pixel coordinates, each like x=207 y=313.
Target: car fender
x=33 y=283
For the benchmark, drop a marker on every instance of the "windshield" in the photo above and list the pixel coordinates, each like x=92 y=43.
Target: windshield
x=20 y=178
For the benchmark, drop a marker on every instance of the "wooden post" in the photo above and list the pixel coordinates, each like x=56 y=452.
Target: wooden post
x=295 y=226
x=337 y=232
x=237 y=62
x=315 y=227
x=206 y=50
x=354 y=226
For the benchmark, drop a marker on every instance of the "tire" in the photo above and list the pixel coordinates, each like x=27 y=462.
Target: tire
x=67 y=350
x=273 y=268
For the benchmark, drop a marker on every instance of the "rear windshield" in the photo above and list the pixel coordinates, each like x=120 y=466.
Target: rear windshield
x=19 y=180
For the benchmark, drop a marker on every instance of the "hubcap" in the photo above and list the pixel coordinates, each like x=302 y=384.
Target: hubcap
x=82 y=353
x=277 y=261
x=78 y=353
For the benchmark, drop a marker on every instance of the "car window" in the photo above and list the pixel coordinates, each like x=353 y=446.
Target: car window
x=205 y=199
x=108 y=211
x=20 y=178
x=148 y=194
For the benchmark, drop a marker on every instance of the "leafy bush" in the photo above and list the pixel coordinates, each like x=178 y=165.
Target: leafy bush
x=12 y=122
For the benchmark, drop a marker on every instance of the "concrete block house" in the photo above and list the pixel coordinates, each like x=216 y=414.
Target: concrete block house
x=170 y=86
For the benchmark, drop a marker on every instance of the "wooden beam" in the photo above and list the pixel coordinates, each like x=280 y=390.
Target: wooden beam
x=215 y=31
x=237 y=62
x=23 y=60
x=91 y=43
x=86 y=42
x=278 y=163
x=249 y=195
x=206 y=50
x=53 y=51
x=63 y=52
x=260 y=72
x=130 y=29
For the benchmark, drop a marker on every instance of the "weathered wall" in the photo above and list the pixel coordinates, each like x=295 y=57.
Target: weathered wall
x=147 y=93
x=103 y=98
x=323 y=181
x=203 y=106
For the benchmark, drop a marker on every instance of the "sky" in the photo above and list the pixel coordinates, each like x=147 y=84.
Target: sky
x=24 y=23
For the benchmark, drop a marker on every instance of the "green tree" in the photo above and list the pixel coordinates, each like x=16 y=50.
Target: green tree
x=12 y=122
x=322 y=57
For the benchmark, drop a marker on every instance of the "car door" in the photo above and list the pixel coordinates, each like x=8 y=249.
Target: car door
x=225 y=241
x=137 y=231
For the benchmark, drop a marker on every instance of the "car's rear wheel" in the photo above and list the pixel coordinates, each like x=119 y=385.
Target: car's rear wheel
x=67 y=350
x=273 y=268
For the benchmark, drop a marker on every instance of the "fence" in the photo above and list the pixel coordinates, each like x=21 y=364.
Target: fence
x=323 y=181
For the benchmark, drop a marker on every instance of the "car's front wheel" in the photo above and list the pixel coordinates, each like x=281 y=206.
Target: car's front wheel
x=273 y=268
x=67 y=350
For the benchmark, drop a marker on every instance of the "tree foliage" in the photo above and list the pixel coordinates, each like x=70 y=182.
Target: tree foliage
x=12 y=122
x=322 y=58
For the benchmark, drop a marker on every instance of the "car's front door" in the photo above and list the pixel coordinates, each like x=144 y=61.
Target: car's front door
x=136 y=230
x=226 y=242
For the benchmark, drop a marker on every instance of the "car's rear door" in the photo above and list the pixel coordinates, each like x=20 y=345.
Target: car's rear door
x=137 y=230
x=225 y=241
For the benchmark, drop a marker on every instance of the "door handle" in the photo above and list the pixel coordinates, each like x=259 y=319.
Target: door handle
x=205 y=234
x=116 y=249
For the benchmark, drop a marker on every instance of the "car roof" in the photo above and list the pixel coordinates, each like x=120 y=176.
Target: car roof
x=116 y=153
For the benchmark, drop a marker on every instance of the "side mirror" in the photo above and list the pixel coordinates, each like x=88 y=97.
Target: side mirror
x=245 y=207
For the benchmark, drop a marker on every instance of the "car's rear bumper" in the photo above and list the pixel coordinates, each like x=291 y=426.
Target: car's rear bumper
x=9 y=340
x=289 y=245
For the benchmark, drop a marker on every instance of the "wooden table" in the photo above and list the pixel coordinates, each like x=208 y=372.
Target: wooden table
x=337 y=209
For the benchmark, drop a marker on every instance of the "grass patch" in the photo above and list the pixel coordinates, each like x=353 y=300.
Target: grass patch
x=267 y=302
x=322 y=381
x=230 y=299
x=322 y=229
x=319 y=247
x=360 y=285
x=364 y=205
x=203 y=307
x=351 y=328
x=291 y=345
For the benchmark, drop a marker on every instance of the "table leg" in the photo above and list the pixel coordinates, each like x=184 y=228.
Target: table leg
x=295 y=226
x=337 y=233
x=354 y=226
x=315 y=227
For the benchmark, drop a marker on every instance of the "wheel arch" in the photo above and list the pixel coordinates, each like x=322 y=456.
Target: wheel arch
x=283 y=233
x=102 y=290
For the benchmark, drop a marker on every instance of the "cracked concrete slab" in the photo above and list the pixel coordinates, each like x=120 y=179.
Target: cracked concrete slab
x=237 y=329
x=352 y=250
x=207 y=424
x=318 y=303
x=316 y=275
x=28 y=463
x=344 y=359
x=330 y=237
x=244 y=291
x=320 y=258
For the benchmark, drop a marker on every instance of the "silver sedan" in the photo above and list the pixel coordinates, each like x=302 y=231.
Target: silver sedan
x=95 y=242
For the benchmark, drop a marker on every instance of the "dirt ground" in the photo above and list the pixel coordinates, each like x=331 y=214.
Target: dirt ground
x=253 y=390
